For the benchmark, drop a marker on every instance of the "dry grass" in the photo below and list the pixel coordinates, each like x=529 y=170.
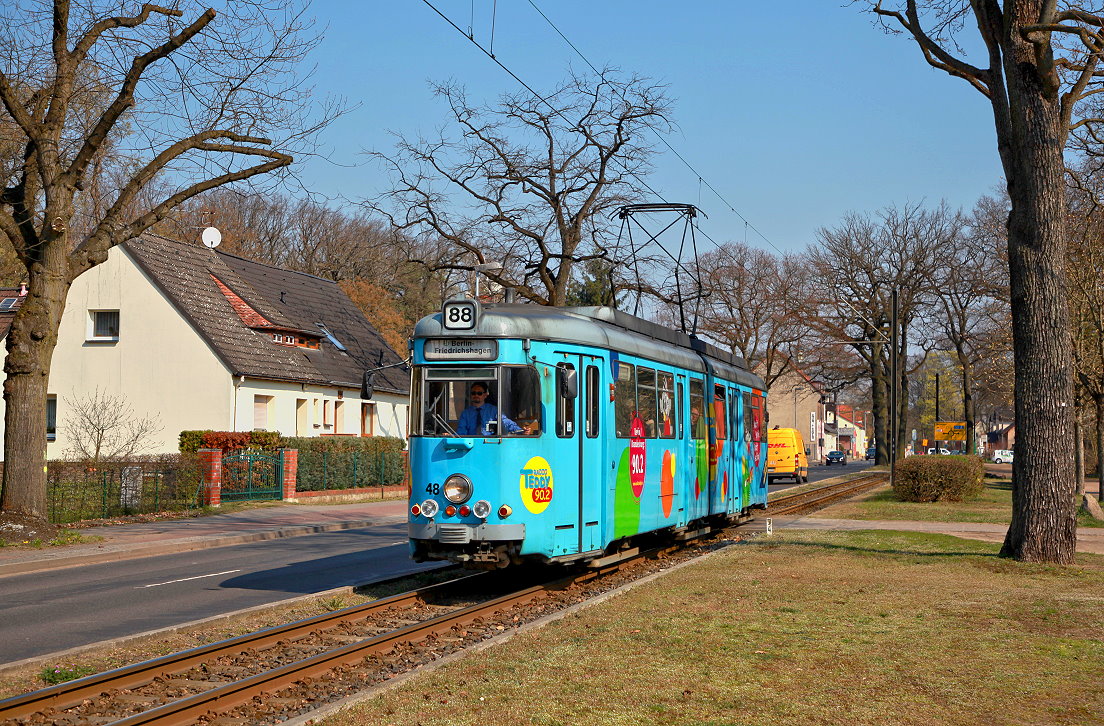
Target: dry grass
x=994 y=506
x=805 y=628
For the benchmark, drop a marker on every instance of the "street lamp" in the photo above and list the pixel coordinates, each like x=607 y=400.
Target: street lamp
x=484 y=267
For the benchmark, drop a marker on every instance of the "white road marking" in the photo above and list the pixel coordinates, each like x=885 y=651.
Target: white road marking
x=185 y=579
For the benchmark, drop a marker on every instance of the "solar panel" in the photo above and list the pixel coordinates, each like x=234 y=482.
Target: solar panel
x=8 y=303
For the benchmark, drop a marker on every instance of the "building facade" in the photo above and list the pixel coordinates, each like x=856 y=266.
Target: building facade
x=191 y=338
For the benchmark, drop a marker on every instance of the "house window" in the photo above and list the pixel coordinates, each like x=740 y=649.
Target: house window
x=339 y=413
x=325 y=413
x=367 y=419
x=51 y=418
x=103 y=325
x=260 y=412
x=301 y=415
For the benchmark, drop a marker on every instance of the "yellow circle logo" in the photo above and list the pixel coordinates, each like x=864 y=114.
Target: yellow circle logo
x=536 y=485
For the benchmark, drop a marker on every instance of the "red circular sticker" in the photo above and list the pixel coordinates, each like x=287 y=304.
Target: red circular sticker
x=637 y=458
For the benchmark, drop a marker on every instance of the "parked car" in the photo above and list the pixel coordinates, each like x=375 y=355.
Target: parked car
x=939 y=451
x=835 y=457
x=1002 y=456
x=871 y=453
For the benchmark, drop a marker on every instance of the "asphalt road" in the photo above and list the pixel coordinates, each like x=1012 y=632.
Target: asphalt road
x=50 y=611
x=818 y=471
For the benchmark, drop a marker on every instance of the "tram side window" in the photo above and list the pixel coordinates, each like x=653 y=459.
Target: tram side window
x=666 y=405
x=679 y=408
x=624 y=399
x=758 y=424
x=593 y=401
x=748 y=417
x=565 y=407
x=646 y=394
x=720 y=418
x=734 y=413
x=697 y=409
x=521 y=399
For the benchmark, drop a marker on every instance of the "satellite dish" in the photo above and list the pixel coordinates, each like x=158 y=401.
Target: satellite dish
x=212 y=237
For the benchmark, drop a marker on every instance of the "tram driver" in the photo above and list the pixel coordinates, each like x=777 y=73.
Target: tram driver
x=477 y=419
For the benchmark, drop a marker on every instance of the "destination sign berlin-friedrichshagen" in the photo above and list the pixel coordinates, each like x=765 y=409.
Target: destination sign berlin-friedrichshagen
x=461 y=349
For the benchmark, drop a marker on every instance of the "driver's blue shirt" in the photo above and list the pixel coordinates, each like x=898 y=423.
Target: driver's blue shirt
x=473 y=421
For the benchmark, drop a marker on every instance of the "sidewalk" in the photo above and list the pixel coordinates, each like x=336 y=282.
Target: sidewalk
x=1088 y=539
x=144 y=539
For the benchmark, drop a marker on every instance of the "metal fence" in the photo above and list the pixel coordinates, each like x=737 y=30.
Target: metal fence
x=322 y=470
x=78 y=490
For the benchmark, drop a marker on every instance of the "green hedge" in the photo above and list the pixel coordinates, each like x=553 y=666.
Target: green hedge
x=143 y=485
x=939 y=478
x=348 y=462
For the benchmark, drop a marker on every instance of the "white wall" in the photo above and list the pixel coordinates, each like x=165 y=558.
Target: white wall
x=389 y=411
x=159 y=365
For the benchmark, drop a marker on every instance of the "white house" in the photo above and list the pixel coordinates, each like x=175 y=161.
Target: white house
x=199 y=339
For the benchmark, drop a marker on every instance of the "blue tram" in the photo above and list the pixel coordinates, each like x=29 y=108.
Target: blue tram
x=561 y=434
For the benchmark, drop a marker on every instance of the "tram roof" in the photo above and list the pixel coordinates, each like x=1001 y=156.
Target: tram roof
x=603 y=327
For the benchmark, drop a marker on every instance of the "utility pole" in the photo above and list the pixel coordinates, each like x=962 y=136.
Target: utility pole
x=895 y=416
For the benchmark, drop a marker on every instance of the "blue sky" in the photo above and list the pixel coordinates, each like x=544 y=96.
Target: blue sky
x=796 y=117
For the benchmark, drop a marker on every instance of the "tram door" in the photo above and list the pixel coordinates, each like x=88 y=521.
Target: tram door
x=578 y=433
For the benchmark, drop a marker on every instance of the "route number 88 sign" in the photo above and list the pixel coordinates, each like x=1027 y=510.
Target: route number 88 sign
x=459 y=314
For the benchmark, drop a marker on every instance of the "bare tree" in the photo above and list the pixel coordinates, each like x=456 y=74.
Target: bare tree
x=103 y=426
x=1041 y=60
x=970 y=288
x=531 y=183
x=857 y=267
x=121 y=116
x=751 y=303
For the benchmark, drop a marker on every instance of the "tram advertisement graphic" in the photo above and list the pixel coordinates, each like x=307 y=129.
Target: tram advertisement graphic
x=637 y=456
x=536 y=485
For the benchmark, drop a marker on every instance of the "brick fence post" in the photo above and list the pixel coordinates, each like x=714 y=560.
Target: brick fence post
x=289 y=459
x=210 y=467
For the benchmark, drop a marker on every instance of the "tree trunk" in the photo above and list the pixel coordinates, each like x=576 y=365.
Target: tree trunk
x=1043 y=527
x=30 y=346
x=1078 y=456
x=1099 y=447
x=968 y=403
x=881 y=407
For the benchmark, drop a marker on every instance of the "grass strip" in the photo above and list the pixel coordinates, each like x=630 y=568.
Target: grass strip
x=860 y=627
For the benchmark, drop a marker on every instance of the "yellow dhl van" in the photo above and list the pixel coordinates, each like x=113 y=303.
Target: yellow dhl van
x=787 y=456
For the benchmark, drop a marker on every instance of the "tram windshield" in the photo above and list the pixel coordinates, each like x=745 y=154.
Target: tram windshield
x=489 y=401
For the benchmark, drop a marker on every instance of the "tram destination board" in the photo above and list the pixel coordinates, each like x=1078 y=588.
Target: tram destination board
x=460 y=349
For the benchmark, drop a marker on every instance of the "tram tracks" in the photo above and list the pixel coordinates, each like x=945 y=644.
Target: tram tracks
x=813 y=499
x=284 y=672
x=280 y=673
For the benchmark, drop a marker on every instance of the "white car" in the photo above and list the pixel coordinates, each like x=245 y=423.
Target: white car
x=1002 y=456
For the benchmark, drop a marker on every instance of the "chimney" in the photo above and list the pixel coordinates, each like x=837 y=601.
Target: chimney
x=22 y=289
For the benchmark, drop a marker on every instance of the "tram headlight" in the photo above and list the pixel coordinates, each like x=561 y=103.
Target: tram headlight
x=482 y=509
x=457 y=489
x=429 y=508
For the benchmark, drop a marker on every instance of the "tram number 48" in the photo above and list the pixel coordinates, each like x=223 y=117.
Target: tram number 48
x=459 y=315
x=433 y=489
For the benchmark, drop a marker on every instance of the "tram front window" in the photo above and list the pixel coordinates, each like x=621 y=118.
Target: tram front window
x=501 y=401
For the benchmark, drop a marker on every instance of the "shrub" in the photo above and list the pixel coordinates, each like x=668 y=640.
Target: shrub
x=939 y=478
x=192 y=441
x=345 y=462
